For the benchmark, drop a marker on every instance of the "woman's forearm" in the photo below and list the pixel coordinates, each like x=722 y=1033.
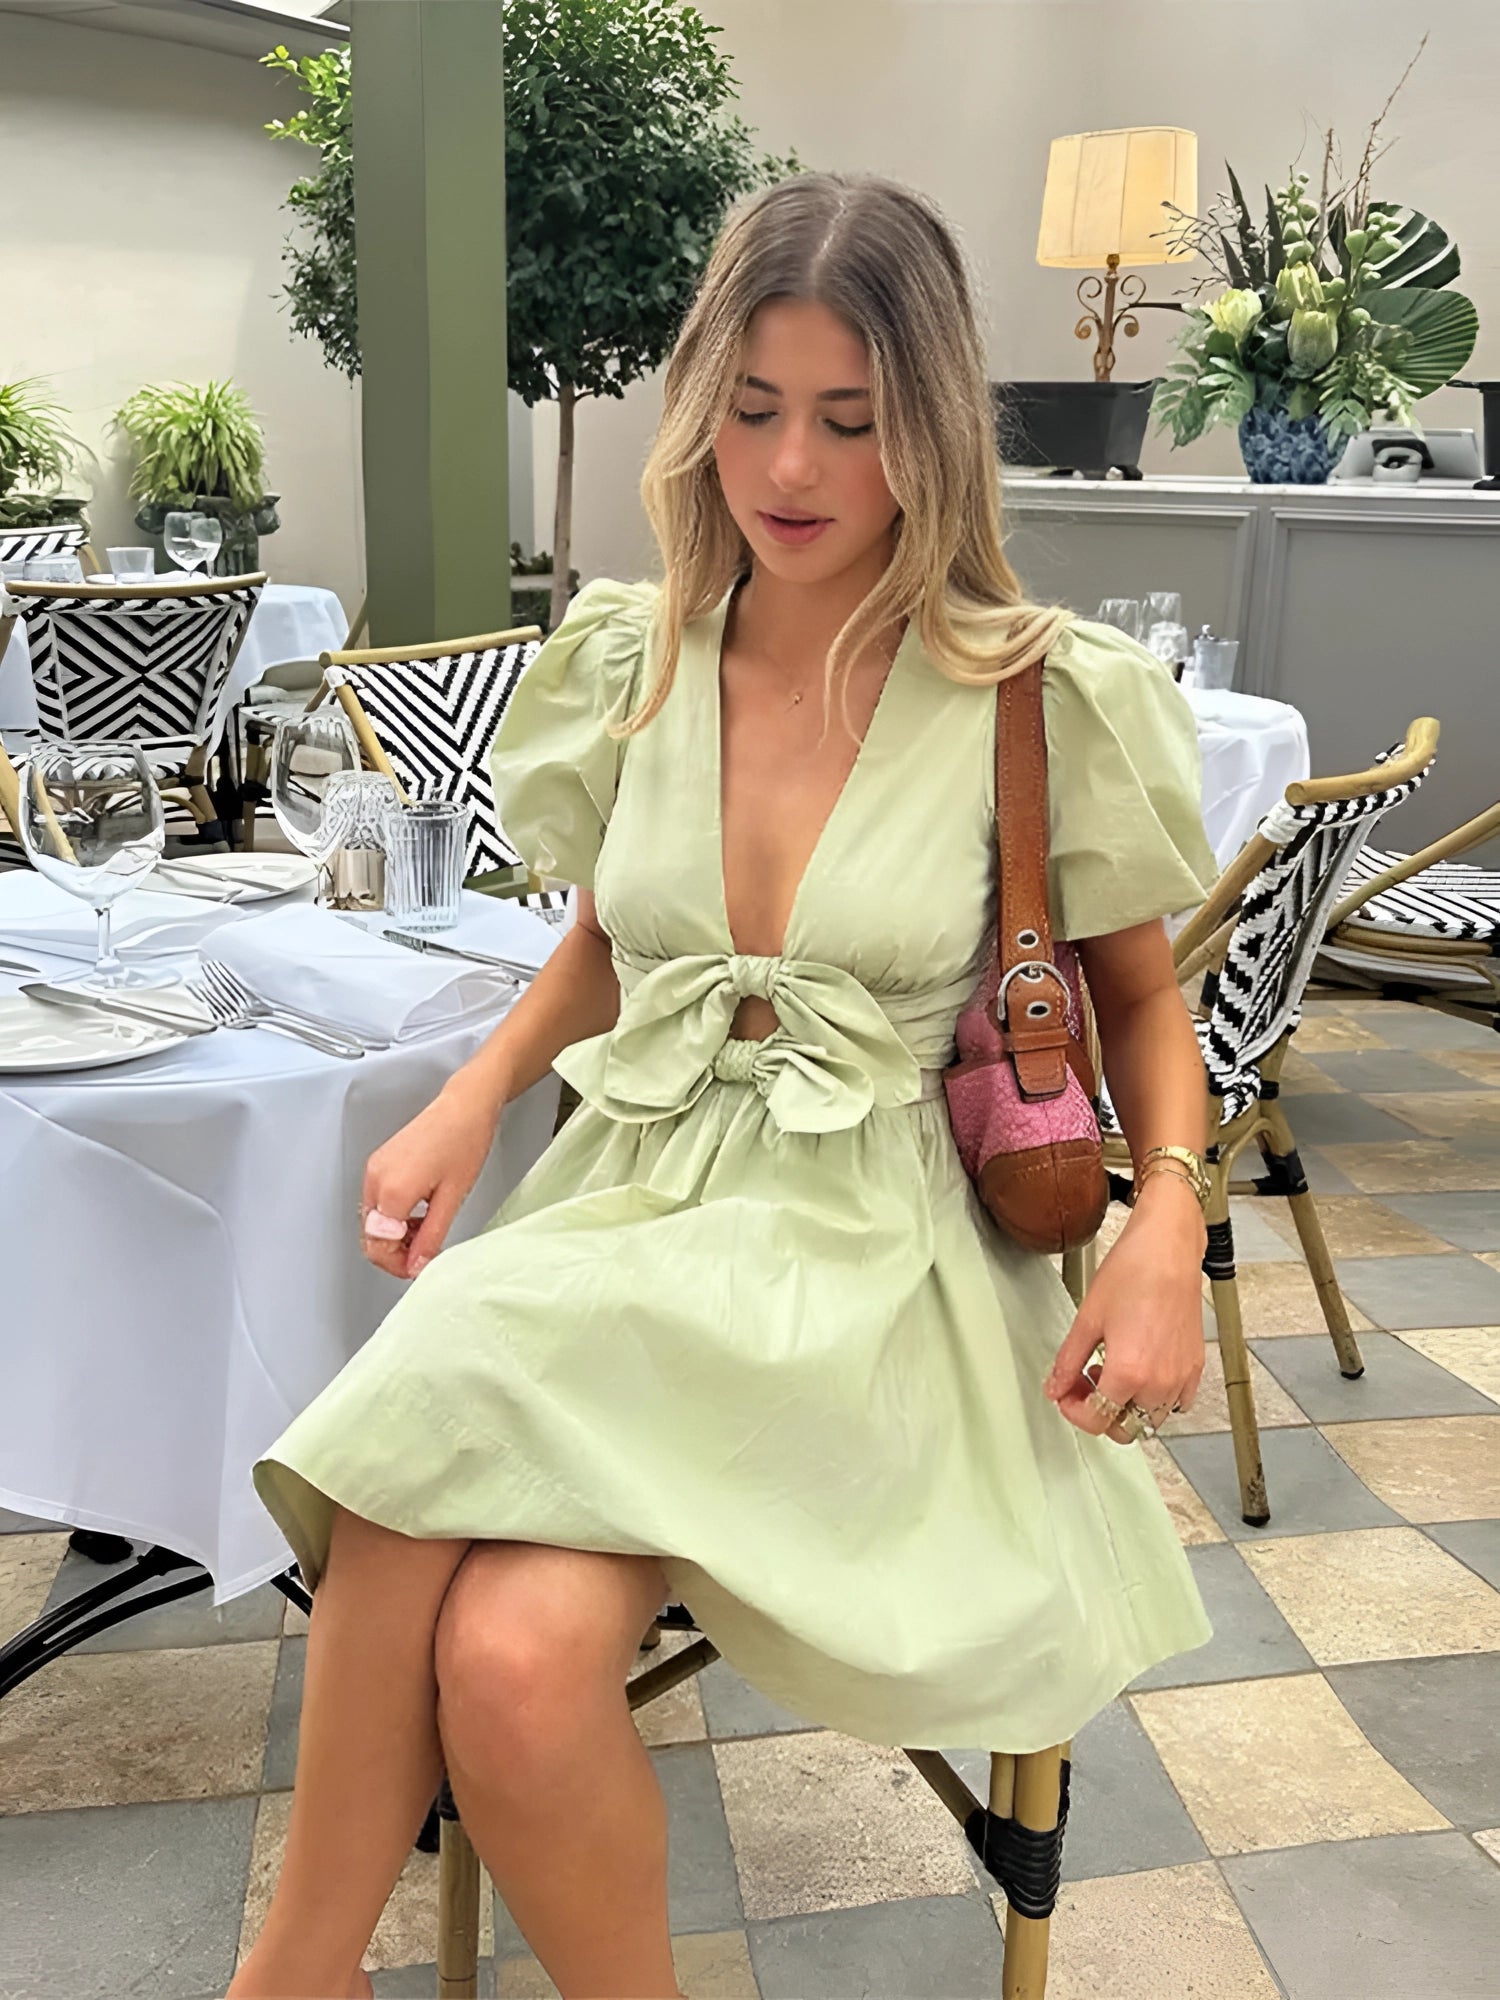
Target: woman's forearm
x=575 y=995
x=1156 y=1084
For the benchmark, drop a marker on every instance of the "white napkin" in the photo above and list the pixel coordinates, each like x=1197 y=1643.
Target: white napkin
x=305 y=957
x=33 y=911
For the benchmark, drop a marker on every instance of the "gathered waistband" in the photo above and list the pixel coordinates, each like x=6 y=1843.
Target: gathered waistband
x=734 y=1062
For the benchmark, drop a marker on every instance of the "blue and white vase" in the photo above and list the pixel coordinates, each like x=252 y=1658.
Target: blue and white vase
x=1281 y=450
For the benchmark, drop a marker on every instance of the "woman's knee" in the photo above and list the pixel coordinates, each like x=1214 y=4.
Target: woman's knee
x=526 y=1639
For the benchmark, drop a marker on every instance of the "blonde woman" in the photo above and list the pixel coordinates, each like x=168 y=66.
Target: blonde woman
x=744 y=1336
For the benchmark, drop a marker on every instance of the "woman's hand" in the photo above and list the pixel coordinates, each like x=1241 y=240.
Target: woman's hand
x=435 y=1159
x=1146 y=1305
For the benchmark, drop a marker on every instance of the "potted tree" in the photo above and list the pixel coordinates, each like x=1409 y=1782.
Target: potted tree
x=200 y=451
x=36 y=453
x=620 y=163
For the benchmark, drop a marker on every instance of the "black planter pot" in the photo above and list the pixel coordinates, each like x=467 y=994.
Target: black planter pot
x=1091 y=428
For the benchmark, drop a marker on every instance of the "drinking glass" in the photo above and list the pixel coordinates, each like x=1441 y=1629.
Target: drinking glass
x=424 y=864
x=1168 y=641
x=131 y=565
x=207 y=532
x=1214 y=661
x=1163 y=607
x=91 y=822
x=64 y=567
x=191 y=539
x=308 y=754
x=1125 y=612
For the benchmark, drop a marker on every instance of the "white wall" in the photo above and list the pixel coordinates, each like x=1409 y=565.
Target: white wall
x=961 y=98
x=140 y=241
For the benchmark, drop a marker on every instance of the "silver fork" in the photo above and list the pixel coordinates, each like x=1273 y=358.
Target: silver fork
x=231 y=984
x=232 y=1012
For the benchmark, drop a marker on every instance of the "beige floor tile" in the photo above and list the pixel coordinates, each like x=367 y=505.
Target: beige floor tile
x=1376 y=1594
x=1277 y=1763
x=1411 y=1166
x=711 y=1965
x=28 y=1564
x=677 y=1715
x=101 y=1729
x=407 y=1931
x=1301 y=1078
x=1321 y=1033
x=1490 y=1257
x=1164 y=1934
x=1427 y=1468
x=1472 y=1353
x=1489 y=1840
x=1282 y=1299
x=1482 y=1065
x=294 y=1622
x=1356 y=1225
x=1210 y=1411
x=822 y=1821
x=1443 y=1114
x=1192 y=1520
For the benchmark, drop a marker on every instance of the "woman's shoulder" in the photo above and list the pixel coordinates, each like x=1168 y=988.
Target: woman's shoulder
x=1102 y=659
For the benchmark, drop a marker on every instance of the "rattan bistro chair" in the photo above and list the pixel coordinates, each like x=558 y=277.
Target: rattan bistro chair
x=1423 y=926
x=426 y=717
x=138 y=663
x=282 y=693
x=1254 y=940
x=1017 y=1834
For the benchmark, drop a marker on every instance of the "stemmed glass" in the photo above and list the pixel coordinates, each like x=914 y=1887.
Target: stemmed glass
x=91 y=822
x=190 y=539
x=309 y=757
x=1125 y=612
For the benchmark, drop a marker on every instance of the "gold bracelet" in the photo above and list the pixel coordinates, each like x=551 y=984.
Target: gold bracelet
x=1192 y=1164
x=1178 y=1171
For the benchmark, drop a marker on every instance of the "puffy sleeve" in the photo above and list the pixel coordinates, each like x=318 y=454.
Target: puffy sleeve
x=554 y=763
x=1124 y=786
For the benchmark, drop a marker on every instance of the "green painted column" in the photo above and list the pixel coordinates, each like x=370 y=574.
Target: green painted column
x=429 y=194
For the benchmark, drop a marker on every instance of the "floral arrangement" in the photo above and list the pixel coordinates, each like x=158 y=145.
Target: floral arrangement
x=1333 y=313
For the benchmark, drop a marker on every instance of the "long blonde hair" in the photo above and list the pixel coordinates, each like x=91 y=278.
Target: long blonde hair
x=885 y=260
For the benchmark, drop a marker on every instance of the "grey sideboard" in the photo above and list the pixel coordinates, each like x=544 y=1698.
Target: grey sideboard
x=1361 y=604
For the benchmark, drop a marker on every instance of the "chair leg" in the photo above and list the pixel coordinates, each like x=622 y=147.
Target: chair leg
x=1028 y=1813
x=1078 y=1267
x=1279 y=1150
x=458 y=1911
x=1218 y=1266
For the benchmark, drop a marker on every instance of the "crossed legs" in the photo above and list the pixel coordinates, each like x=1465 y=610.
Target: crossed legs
x=507 y=1661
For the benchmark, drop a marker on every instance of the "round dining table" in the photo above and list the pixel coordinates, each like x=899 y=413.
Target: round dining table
x=1252 y=749
x=181 y=1265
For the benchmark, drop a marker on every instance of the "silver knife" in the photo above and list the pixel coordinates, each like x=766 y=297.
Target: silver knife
x=107 y=1003
x=413 y=943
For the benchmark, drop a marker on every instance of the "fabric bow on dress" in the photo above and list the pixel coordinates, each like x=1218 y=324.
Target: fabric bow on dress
x=833 y=1058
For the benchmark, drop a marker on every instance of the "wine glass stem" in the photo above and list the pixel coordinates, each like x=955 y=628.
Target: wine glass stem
x=106 y=961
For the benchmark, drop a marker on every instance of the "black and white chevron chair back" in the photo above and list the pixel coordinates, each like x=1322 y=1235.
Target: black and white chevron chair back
x=436 y=720
x=29 y=544
x=1447 y=899
x=1256 y=995
x=147 y=670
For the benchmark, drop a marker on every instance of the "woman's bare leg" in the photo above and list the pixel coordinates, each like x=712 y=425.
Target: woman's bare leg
x=552 y=1781
x=368 y=1759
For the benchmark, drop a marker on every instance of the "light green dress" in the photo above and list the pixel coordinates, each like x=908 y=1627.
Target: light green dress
x=746 y=1314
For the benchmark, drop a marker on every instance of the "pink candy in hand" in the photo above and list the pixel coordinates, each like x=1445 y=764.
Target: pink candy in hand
x=387 y=1227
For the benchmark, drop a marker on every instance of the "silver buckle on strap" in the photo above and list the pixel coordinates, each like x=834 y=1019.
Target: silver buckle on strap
x=1033 y=969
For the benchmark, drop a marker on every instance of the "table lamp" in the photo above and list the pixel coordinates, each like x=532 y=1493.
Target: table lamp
x=1103 y=205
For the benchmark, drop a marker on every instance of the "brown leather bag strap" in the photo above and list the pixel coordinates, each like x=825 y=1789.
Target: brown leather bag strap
x=1032 y=1016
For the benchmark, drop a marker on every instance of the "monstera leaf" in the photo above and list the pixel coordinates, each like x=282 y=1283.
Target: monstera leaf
x=1427 y=256
x=1442 y=328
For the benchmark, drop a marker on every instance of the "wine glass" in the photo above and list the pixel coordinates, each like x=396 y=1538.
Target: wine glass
x=1163 y=607
x=91 y=822
x=207 y=533
x=1125 y=612
x=309 y=753
x=190 y=539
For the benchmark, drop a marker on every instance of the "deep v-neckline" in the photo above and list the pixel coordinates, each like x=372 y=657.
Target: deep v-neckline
x=715 y=670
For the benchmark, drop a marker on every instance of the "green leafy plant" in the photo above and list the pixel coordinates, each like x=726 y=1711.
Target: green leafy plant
x=1334 y=306
x=620 y=160
x=193 y=443
x=36 y=453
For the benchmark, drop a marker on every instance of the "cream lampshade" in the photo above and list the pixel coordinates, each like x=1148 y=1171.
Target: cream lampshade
x=1103 y=204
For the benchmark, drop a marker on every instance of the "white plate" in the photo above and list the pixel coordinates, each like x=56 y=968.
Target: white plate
x=35 y=1038
x=266 y=874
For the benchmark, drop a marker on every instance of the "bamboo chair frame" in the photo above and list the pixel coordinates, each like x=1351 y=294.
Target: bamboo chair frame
x=1405 y=952
x=10 y=789
x=1015 y=1832
x=257 y=765
x=191 y=783
x=385 y=656
x=1203 y=945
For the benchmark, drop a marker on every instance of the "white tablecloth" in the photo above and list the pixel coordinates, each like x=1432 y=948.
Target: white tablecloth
x=1252 y=749
x=181 y=1264
x=293 y=621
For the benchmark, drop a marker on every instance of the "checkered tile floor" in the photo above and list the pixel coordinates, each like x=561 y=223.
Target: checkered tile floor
x=1308 y=1806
